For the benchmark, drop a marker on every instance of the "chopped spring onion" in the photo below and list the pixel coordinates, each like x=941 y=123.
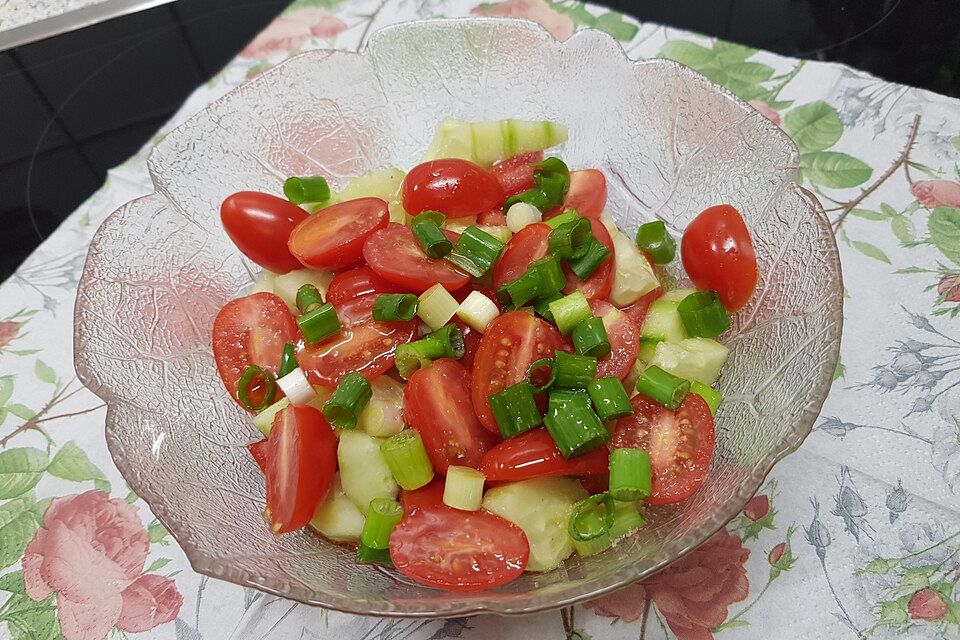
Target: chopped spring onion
x=570 y=240
x=408 y=460
x=522 y=214
x=431 y=238
x=583 y=528
x=573 y=371
x=382 y=516
x=626 y=520
x=609 y=397
x=297 y=388
x=534 y=370
x=630 y=474
x=348 y=401
x=552 y=177
x=369 y=555
x=711 y=396
x=515 y=410
x=437 y=306
x=703 y=315
x=308 y=298
x=318 y=324
x=572 y=424
x=590 y=338
x=312 y=189
x=591 y=259
x=253 y=381
x=542 y=307
x=549 y=273
x=567 y=216
x=475 y=251
x=288 y=360
x=438 y=218
x=389 y=307
x=519 y=292
x=663 y=387
x=478 y=311
x=446 y=342
x=533 y=197
x=463 y=488
x=570 y=310
x=654 y=238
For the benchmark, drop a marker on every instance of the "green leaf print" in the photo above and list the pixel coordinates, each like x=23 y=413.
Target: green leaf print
x=322 y=4
x=13 y=582
x=871 y=251
x=71 y=463
x=6 y=389
x=18 y=524
x=688 y=53
x=814 y=127
x=840 y=371
x=20 y=470
x=867 y=214
x=614 y=24
x=21 y=411
x=879 y=566
x=834 y=169
x=157 y=564
x=45 y=372
x=732 y=52
x=944 y=228
x=956 y=142
x=893 y=613
x=157 y=532
x=748 y=73
x=29 y=620
x=903 y=228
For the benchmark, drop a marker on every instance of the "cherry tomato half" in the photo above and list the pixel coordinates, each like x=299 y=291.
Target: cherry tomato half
x=259 y=224
x=529 y=244
x=680 y=444
x=436 y=402
x=453 y=187
x=301 y=461
x=258 y=451
x=461 y=550
x=363 y=345
x=718 y=255
x=355 y=283
x=512 y=342
x=587 y=194
x=516 y=174
x=429 y=495
x=534 y=454
x=624 y=336
x=598 y=285
x=333 y=238
x=394 y=254
x=251 y=331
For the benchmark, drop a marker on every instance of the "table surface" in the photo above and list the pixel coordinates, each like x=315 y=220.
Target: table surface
x=855 y=535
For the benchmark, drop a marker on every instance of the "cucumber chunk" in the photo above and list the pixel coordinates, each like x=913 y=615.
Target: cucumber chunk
x=338 y=518
x=632 y=275
x=364 y=473
x=491 y=141
x=663 y=323
x=383 y=415
x=697 y=359
x=286 y=285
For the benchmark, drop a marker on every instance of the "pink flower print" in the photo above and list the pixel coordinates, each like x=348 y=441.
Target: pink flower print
x=936 y=193
x=8 y=331
x=927 y=604
x=766 y=111
x=560 y=25
x=757 y=507
x=150 y=601
x=291 y=30
x=949 y=287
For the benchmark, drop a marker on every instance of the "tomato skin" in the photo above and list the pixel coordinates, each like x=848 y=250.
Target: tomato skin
x=600 y=282
x=529 y=244
x=718 y=255
x=456 y=188
x=459 y=550
x=493 y=218
x=354 y=283
x=624 y=336
x=363 y=345
x=534 y=454
x=429 y=495
x=680 y=444
x=587 y=194
x=251 y=331
x=638 y=310
x=260 y=224
x=516 y=174
x=258 y=451
x=393 y=253
x=301 y=461
x=334 y=237
x=512 y=342
x=471 y=342
x=436 y=402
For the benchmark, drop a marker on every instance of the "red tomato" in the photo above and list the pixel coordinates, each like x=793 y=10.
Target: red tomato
x=397 y=257
x=534 y=454
x=428 y=495
x=436 y=402
x=301 y=461
x=638 y=310
x=598 y=285
x=260 y=224
x=354 y=283
x=680 y=444
x=596 y=484
x=251 y=331
x=718 y=255
x=493 y=218
x=512 y=342
x=364 y=345
x=453 y=187
x=587 y=194
x=258 y=451
x=471 y=342
x=460 y=550
x=529 y=244
x=333 y=238
x=516 y=174
x=624 y=336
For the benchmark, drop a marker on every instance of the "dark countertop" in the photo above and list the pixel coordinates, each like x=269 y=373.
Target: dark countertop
x=82 y=102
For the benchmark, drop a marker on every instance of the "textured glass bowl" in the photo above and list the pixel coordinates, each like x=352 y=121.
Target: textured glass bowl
x=670 y=142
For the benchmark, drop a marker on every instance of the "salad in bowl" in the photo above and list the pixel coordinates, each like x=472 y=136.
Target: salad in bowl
x=466 y=371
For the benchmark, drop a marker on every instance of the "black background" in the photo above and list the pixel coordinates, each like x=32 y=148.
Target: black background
x=74 y=105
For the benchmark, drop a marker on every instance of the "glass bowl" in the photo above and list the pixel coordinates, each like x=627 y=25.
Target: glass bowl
x=670 y=142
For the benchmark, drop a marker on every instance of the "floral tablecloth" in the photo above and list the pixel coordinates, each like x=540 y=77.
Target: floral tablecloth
x=856 y=535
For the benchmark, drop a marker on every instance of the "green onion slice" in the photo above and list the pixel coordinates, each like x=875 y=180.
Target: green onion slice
x=319 y=324
x=311 y=189
x=408 y=459
x=542 y=307
x=253 y=381
x=572 y=423
x=567 y=216
x=571 y=239
x=654 y=238
x=703 y=315
x=369 y=555
x=590 y=338
x=630 y=474
x=663 y=387
x=515 y=410
x=391 y=307
x=348 y=401
x=308 y=298
x=570 y=310
x=573 y=371
x=288 y=360
x=446 y=342
x=533 y=374
x=610 y=399
x=534 y=197
x=431 y=239
x=549 y=273
x=578 y=521
x=383 y=515
x=475 y=251
x=711 y=396
x=438 y=218
x=519 y=292
x=590 y=261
